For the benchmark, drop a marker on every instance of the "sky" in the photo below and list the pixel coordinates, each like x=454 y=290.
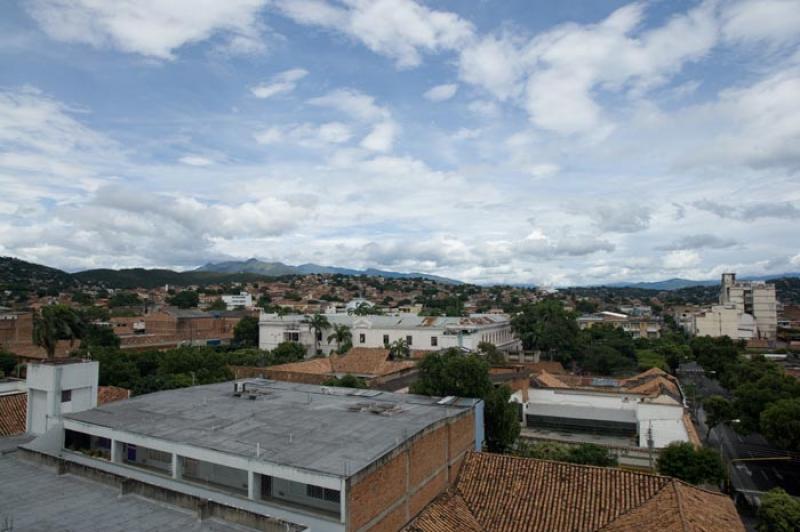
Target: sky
x=492 y=141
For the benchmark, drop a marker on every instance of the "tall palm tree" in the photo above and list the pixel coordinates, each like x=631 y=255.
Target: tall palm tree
x=399 y=349
x=342 y=335
x=316 y=324
x=54 y=323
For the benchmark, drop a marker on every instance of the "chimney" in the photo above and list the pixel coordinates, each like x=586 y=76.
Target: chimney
x=57 y=387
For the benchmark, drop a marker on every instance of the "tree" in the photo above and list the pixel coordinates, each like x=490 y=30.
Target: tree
x=99 y=336
x=245 y=333
x=585 y=306
x=342 y=336
x=54 y=323
x=8 y=362
x=752 y=398
x=346 y=381
x=317 y=324
x=779 y=512
x=124 y=299
x=492 y=354
x=695 y=466
x=399 y=349
x=185 y=299
x=780 y=423
x=288 y=352
x=605 y=360
x=547 y=327
x=718 y=410
x=218 y=304
x=591 y=454
x=500 y=417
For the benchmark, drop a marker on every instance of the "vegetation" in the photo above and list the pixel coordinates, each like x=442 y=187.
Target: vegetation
x=185 y=299
x=99 y=336
x=317 y=324
x=502 y=424
x=8 y=363
x=718 y=410
x=346 y=381
x=492 y=354
x=54 y=323
x=585 y=453
x=545 y=326
x=695 y=466
x=780 y=423
x=218 y=305
x=343 y=337
x=399 y=349
x=124 y=299
x=245 y=334
x=779 y=512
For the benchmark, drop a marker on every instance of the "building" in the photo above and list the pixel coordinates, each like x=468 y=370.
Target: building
x=634 y=417
x=422 y=333
x=755 y=298
x=638 y=326
x=260 y=452
x=725 y=320
x=374 y=365
x=16 y=336
x=505 y=493
x=236 y=301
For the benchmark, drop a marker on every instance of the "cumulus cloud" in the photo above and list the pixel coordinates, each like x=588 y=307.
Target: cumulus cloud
x=307 y=135
x=440 y=93
x=281 y=83
x=621 y=218
x=150 y=28
x=681 y=259
x=701 y=241
x=753 y=21
x=751 y=211
x=363 y=108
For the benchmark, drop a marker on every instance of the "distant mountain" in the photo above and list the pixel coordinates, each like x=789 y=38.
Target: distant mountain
x=279 y=268
x=678 y=283
x=18 y=275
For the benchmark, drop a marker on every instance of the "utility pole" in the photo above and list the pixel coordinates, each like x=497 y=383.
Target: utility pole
x=650 y=444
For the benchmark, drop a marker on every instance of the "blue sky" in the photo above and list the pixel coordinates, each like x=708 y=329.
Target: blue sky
x=492 y=141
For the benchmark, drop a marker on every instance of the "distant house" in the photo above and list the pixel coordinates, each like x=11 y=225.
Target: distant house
x=505 y=493
x=638 y=326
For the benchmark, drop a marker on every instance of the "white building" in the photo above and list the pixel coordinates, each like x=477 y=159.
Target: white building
x=56 y=388
x=422 y=333
x=234 y=301
x=755 y=298
x=725 y=320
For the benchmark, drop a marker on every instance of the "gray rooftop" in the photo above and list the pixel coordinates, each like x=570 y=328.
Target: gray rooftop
x=325 y=430
x=36 y=499
x=403 y=321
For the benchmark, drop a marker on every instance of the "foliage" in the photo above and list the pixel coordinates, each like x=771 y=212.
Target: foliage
x=780 y=424
x=605 y=360
x=185 y=299
x=399 y=349
x=492 y=354
x=245 y=333
x=586 y=306
x=288 y=352
x=753 y=398
x=346 y=381
x=650 y=358
x=82 y=298
x=342 y=336
x=365 y=309
x=91 y=314
x=545 y=326
x=714 y=354
x=8 y=362
x=317 y=324
x=450 y=372
x=779 y=512
x=99 y=336
x=54 y=323
x=218 y=304
x=124 y=299
x=585 y=453
x=695 y=466
x=718 y=410
x=500 y=417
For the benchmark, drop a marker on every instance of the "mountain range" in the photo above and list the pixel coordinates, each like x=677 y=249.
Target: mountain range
x=278 y=268
x=678 y=283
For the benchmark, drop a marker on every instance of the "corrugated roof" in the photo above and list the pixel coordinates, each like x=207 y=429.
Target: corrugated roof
x=13 y=411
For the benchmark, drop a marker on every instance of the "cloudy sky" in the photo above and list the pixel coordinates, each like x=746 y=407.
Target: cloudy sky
x=567 y=142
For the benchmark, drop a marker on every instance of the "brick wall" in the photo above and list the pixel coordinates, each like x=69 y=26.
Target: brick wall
x=393 y=492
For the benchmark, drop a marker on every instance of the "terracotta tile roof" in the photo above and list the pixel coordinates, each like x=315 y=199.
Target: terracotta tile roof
x=13 y=411
x=109 y=394
x=656 y=386
x=691 y=430
x=550 y=366
x=550 y=381
x=509 y=494
x=369 y=361
x=317 y=366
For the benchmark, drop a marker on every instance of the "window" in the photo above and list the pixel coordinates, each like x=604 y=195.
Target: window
x=66 y=396
x=434 y=341
x=408 y=339
x=319 y=336
x=385 y=339
x=321 y=493
x=362 y=338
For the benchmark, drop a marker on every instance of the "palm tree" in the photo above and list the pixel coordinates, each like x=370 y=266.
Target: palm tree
x=54 y=323
x=316 y=324
x=342 y=335
x=399 y=349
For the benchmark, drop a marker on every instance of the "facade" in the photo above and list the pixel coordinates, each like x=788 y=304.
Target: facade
x=240 y=300
x=725 y=320
x=754 y=298
x=638 y=326
x=324 y=459
x=422 y=333
x=16 y=336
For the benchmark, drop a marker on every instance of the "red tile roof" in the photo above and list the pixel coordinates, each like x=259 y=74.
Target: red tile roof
x=509 y=494
x=109 y=394
x=13 y=411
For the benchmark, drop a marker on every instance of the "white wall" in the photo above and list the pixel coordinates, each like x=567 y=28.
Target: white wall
x=46 y=382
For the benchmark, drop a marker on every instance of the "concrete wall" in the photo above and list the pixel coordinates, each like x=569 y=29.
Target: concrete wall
x=46 y=382
x=396 y=489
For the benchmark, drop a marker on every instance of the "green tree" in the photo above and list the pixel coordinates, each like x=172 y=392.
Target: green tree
x=82 y=298
x=752 y=398
x=591 y=454
x=185 y=299
x=399 y=349
x=346 y=381
x=317 y=324
x=288 y=352
x=718 y=410
x=124 y=299
x=500 y=417
x=218 y=304
x=245 y=333
x=492 y=354
x=780 y=424
x=605 y=360
x=695 y=466
x=342 y=336
x=54 y=323
x=714 y=354
x=545 y=326
x=779 y=512
x=8 y=362
x=585 y=306
x=99 y=336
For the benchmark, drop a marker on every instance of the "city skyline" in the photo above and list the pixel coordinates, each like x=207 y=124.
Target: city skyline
x=490 y=142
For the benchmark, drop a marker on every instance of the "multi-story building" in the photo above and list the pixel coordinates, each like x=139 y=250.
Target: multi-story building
x=643 y=326
x=421 y=333
x=264 y=452
x=752 y=297
x=724 y=320
x=240 y=300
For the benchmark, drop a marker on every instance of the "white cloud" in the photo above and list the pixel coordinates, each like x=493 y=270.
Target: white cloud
x=306 y=134
x=681 y=259
x=196 y=160
x=494 y=64
x=400 y=29
x=152 y=28
x=281 y=83
x=352 y=102
x=440 y=93
x=775 y=21
x=334 y=132
x=381 y=137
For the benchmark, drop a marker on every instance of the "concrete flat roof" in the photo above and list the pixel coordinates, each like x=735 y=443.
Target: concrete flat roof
x=36 y=499
x=324 y=430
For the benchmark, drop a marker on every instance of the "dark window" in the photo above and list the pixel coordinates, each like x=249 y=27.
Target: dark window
x=319 y=336
x=66 y=396
x=408 y=339
x=434 y=341
x=385 y=339
x=324 y=494
x=362 y=338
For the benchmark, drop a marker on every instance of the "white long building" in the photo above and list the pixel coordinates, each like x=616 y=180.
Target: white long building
x=422 y=333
